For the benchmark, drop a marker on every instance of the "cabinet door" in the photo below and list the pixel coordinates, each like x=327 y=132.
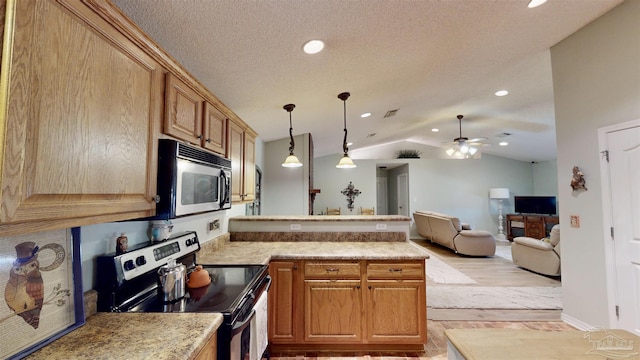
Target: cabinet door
x=285 y=302
x=396 y=311
x=215 y=129
x=236 y=152
x=183 y=111
x=249 y=168
x=83 y=106
x=333 y=311
x=210 y=350
x=534 y=227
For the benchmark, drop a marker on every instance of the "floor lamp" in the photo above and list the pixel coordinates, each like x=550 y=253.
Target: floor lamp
x=499 y=194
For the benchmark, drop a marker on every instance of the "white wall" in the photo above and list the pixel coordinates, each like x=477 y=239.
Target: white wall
x=285 y=191
x=456 y=187
x=545 y=178
x=596 y=76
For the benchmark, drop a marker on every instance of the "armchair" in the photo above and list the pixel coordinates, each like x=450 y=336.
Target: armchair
x=538 y=255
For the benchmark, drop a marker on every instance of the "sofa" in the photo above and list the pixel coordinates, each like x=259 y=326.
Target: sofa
x=448 y=231
x=538 y=255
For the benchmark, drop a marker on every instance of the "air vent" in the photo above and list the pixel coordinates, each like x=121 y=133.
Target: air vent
x=504 y=134
x=391 y=113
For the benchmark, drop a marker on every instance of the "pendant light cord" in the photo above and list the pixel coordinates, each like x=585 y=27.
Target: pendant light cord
x=292 y=144
x=344 y=142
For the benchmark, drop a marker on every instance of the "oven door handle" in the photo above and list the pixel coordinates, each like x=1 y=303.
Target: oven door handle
x=240 y=326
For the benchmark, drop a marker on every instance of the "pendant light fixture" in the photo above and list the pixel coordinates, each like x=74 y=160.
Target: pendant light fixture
x=345 y=161
x=291 y=161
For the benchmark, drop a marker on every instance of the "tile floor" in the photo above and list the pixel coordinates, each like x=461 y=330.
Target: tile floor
x=436 y=347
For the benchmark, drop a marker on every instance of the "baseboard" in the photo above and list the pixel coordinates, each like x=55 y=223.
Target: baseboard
x=580 y=325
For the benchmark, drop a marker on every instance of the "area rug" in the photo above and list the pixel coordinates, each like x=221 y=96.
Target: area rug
x=487 y=297
x=442 y=273
x=504 y=251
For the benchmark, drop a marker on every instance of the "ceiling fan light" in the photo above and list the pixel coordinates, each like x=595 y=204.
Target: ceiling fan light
x=291 y=162
x=345 y=163
x=450 y=152
x=472 y=150
x=464 y=148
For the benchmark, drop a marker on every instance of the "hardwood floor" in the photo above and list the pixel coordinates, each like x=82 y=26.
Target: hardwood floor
x=488 y=271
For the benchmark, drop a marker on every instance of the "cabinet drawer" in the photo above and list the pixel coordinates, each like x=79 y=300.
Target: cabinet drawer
x=395 y=271
x=332 y=270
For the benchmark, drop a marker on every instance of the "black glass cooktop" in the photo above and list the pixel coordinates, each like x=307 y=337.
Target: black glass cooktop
x=225 y=293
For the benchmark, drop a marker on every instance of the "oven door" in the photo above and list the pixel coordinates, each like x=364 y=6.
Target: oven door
x=240 y=346
x=199 y=188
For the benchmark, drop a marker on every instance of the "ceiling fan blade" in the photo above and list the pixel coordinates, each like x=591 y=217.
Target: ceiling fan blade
x=477 y=139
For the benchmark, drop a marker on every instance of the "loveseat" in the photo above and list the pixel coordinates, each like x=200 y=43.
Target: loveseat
x=448 y=231
x=538 y=255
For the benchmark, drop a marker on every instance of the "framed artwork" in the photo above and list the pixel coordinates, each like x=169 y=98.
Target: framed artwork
x=43 y=300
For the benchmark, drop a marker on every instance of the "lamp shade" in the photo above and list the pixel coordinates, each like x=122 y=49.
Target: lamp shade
x=346 y=163
x=291 y=161
x=499 y=193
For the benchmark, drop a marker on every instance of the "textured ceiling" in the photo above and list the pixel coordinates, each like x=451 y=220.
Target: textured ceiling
x=431 y=59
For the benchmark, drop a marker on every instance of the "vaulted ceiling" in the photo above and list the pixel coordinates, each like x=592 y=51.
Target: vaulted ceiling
x=428 y=59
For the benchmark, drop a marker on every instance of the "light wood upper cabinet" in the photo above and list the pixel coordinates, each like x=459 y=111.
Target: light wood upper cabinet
x=241 y=151
x=189 y=117
x=215 y=129
x=81 y=112
x=183 y=111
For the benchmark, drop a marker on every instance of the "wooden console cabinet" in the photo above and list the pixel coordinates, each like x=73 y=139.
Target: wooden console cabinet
x=534 y=226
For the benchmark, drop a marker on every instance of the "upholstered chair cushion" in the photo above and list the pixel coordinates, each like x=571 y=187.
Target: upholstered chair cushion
x=554 y=238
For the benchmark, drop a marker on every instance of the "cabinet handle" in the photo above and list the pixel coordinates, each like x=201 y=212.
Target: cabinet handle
x=369 y=287
x=156 y=199
x=208 y=140
x=200 y=137
x=333 y=269
x=395 y=269
x=295 y=267
x=358 y=287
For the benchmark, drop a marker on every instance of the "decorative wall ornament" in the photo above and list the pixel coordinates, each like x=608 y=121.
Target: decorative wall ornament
x=577 y=181
x=350 y=192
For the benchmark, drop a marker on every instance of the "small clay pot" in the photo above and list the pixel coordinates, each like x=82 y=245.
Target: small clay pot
x=198 y=278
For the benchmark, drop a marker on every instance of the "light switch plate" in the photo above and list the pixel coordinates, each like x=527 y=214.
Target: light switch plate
x=295 y=227
x=381 y=227
x=575 y=221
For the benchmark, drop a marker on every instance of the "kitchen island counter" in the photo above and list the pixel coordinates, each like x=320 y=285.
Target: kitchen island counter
x=258 y=252
x=134 y=336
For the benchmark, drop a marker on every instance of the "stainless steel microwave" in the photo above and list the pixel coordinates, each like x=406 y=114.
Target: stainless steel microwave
x=191 y=180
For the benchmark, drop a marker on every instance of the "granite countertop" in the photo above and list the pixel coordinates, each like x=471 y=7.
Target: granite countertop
x=257 y=252
x=350 y=218
x=135 y=336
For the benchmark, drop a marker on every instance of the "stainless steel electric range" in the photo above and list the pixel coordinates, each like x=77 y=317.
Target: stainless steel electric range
x=129 y=283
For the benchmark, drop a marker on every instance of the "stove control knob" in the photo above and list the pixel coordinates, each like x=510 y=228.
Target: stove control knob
x=129 y=265
x=188 y=242
x=140 y=260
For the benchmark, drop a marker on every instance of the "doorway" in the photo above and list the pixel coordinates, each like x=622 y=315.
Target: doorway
x=620 y=173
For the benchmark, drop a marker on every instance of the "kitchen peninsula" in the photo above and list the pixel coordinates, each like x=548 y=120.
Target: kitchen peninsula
x=339 y=282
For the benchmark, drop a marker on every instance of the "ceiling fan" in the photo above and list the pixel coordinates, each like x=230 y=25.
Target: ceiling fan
x=463 y=147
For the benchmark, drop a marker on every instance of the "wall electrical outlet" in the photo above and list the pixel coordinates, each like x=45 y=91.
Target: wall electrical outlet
x=575 y=221
x=213 y=225
x=381 y=227
x=295 y=227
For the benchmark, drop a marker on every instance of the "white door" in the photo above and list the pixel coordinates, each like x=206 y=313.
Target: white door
x=623 y=147
x=403 y=195
x=381 y=195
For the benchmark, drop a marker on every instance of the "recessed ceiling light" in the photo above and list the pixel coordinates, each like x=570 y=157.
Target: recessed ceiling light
x=503 y=143
x=435 y=130
x=502 y=93
x=365 y=115
x=313 y=46
x=534 y=3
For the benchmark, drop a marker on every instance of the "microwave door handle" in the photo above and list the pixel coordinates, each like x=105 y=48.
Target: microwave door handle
x=225 y=188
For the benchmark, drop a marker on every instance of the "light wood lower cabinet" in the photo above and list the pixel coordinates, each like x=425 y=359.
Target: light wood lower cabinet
x=349 y=304
x=210 y=350
x=285 y=302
